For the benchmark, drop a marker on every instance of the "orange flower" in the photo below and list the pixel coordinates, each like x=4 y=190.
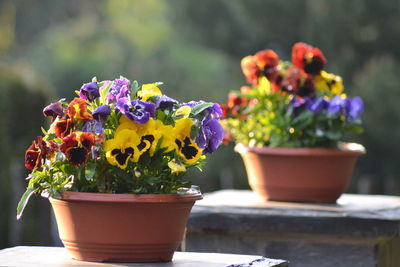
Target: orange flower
x=250 y=69
x=309 y=59
x=266 y=59
x=77 y=110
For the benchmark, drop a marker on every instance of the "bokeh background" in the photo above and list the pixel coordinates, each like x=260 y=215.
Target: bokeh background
x=48 y=48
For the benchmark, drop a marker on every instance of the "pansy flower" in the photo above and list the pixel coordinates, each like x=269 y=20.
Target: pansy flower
x=149 y=90
x=150 y=134
x=89 y=91
x=176 y=166
x=329 y=82
x=298 y=82
x=122 y=148
x=355 y=108
x=37 y=153
x=136 y=110
x=101 y=113
x=63 y=128
x=93 y=126
x=186 y=148
x=54 y=110
x=119 y=89
x=210 y=136
x=320 y=105
x=164 y=102
x=76 y=147
x=212 y=112
x=309 y=59
x=250 y=69
x=77 y=110
x=267 y=61
x=338 y=105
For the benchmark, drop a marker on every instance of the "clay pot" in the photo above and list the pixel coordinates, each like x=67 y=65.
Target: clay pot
x=122 y=227
x=300 y=174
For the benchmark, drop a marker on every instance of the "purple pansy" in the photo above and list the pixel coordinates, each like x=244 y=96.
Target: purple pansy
x=89 y=91
x=101 y=113
x=355 y=108
x=136 y=110
x=164 y=102
x=320 y=105
x=210 y=135
x=120 y=89
x=54 y=110
x=300 y=103
x=93 y=126
x=337 y=105
x=212 y=112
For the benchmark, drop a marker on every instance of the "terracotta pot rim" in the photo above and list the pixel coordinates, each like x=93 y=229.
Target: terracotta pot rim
x=127 y=198
x=349 y=149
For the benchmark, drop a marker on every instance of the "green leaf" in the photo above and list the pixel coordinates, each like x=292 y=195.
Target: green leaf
x=90 y=170
x=104 y=93
x=43 y=131
x=199 y=108
x=24 y=201
x=135 y=88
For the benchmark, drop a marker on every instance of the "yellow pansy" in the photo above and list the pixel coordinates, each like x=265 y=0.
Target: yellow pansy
x=122 y=148
x=149 y=133
x=176 y=166
x=140 y=129
x=168 y=135
x=186 y=148
x=183 y=112
x=149 y=90
x=329 y=82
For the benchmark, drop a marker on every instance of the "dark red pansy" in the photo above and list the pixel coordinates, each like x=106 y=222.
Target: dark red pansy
x=77 y=146
x=37 y=152
x=310 y=59
x=63 y=128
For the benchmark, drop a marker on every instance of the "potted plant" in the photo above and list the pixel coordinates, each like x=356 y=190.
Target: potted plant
x=289 y=124
x=112 y=164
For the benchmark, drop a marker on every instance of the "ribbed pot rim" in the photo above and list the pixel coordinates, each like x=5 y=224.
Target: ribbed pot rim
x=346 y=149
x=127 y=198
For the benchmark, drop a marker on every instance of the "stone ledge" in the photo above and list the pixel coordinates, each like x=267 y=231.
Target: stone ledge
x=358 y=231
x=242 y=210
x=59 y=257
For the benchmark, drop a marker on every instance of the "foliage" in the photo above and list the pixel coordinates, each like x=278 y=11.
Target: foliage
x=295 y=104
x=120 y=137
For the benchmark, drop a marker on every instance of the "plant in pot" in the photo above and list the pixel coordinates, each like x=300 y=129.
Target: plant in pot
x=289 y=125
x=113 y=163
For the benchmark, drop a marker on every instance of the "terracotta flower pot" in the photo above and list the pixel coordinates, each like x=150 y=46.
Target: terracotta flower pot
x=122 y=227
x=299 y=174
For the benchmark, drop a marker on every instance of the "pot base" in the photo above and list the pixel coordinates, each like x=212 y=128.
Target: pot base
x=306 y=195
x=120 y=253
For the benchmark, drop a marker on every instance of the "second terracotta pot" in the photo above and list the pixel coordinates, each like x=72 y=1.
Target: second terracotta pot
x=122 y=227
x=299 y=174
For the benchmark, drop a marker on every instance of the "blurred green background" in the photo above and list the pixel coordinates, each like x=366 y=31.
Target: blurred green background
x=48 y=48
